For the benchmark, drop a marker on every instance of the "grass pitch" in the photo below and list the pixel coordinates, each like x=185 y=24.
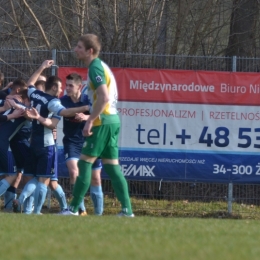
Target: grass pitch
x=108 y=237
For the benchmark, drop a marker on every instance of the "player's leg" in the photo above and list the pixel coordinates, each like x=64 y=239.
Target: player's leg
x=112 y=168
x=40 y=194
x=72 y=165
x=30 y=168
x=82 y=183
x=92 y=148
x=10 y=193
x=7 y=168
x=28 y=204
x=58 y=193
x=25 y=196
x=45 y=170
x=20 y=146
x=72 y=154
x=96 y=192
x=56 y=188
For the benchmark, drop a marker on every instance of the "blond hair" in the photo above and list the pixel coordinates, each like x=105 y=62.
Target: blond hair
x=91 y=41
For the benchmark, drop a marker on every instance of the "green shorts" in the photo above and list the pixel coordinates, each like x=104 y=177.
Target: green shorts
x=103 y=142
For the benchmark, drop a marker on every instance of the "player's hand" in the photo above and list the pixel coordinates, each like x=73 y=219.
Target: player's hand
x=31 y=113
x=87 y=128
x=19 y=112
x=17 y=97
x=47 y=63
x=81 y=117
x=10 y=103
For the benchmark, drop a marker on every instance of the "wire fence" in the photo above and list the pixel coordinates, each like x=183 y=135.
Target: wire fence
x=155 y=198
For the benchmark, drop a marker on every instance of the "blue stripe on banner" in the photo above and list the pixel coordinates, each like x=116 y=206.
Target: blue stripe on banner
x=183 y=166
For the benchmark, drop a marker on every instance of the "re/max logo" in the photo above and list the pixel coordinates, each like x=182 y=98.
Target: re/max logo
x=135 y=170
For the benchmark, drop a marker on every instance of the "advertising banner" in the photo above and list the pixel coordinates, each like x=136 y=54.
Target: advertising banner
x=187 y=125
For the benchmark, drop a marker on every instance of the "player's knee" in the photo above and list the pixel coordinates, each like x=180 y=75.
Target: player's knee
x=96 y=178
x=53 y=185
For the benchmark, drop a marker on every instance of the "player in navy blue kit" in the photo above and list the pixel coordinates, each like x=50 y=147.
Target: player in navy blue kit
x=8 y=129
x=46 y=112
x=73 y=141
x=22 y=155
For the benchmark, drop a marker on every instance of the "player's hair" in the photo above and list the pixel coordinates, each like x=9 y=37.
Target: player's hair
x=19 y=83
x=23 y=93
x=52 y=81
x=40 y=83
x=91 y=41
x=75 y=77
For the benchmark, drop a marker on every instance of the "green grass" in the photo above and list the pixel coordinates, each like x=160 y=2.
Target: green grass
x=108 y=237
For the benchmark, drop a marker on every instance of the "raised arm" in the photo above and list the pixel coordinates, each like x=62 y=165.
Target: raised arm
x=46 y=64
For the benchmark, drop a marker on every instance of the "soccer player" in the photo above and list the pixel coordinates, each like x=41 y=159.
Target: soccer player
x=101 y=128
x=54 y=185
x=46 y=112
x=73 y=141
x=8 y=129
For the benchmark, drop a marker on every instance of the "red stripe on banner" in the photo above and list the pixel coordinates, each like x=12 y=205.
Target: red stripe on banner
x=181 y=86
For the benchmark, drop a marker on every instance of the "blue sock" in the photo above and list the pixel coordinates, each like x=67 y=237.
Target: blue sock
x=28 y=204
x=9 y=196
x=39 y=197
x=60 y=196
x=4 y=185
x=97 y=197
x=27 y=190
x=82 y=204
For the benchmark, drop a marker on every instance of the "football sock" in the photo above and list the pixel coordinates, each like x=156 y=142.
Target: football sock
x=28 y=189
x=120 y=186
x=82 y=184
x=96 y=195
x=60 y=196
x=82 y=204
x=4 y=185
x=28 y=204
x=9 y=196
x=39 y=197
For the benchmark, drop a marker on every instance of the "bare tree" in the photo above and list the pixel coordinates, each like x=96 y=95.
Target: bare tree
x=191 y=27
x=243 y=28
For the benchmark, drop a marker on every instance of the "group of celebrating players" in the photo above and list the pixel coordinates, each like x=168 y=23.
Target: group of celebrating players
x=29 y=114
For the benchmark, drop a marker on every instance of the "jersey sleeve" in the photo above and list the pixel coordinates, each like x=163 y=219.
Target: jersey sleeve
x=97 y=75
x=56 y=107
x=30 y=90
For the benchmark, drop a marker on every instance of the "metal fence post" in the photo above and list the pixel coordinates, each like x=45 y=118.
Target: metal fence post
x=54 y=57
x=234 y=63
x=230 y=197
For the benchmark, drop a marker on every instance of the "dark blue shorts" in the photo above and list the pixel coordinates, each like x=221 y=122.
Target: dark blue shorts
x=7 y=163
x=73 y=152
x=41 y=162
x=21 y=151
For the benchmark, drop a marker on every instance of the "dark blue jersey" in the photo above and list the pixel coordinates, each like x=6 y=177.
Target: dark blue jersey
x=72 y=129
x=48 y=107
x=9 y=128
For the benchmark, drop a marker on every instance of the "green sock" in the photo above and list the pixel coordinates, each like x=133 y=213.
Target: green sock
x=120 y=186
x=82 y=184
